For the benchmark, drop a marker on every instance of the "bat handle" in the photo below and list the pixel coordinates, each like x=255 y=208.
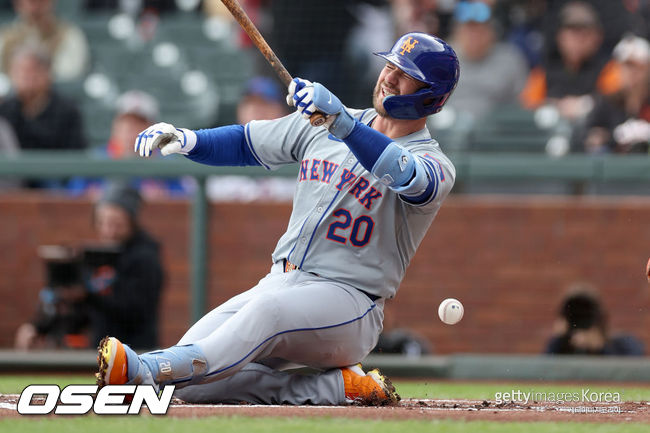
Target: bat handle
x=317 y=119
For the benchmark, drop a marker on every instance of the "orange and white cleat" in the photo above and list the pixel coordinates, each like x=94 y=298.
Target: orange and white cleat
x=368 y=389
x=112 y=361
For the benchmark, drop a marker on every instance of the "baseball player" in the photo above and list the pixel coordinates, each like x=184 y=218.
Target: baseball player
x=369 y=185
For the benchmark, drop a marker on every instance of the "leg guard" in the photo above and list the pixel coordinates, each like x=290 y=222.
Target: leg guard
x=178 y=365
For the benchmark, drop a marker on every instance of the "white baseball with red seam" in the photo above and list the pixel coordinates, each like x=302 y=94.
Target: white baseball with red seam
x=451 y=311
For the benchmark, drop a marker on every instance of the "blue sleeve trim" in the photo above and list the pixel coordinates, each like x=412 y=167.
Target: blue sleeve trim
x=222 y=146
x=366 y=144
x=432 y=189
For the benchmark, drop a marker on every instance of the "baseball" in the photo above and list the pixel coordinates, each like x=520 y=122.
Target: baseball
x=450 y=311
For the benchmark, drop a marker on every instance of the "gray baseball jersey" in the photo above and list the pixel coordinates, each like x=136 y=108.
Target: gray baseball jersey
x=345 y=224
x=348 y=234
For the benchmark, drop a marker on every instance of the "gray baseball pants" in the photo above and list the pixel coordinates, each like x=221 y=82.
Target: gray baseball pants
x=294 y=317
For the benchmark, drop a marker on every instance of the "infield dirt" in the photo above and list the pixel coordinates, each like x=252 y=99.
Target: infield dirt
x=421 y=409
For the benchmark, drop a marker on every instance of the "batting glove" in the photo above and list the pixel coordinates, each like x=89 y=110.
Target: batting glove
x=165 y=137
x=295 y=85
x=309 y=98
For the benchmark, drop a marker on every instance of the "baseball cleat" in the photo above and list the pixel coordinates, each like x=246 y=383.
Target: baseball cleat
x=368 y=389
x=112 y=362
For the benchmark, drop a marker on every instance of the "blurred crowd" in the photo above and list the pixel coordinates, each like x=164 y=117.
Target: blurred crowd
x=580 y=67
x=551 y=77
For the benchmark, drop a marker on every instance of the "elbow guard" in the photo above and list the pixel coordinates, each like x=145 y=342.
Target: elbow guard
x=395 y=166
x=401 y=171
x=419 y=183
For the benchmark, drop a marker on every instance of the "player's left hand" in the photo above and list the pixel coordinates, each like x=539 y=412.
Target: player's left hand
x=309 y=98
x=296 y=85
x=165 y=137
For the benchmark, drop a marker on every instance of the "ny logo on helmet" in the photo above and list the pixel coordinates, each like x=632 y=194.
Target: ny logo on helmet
x=407 y=46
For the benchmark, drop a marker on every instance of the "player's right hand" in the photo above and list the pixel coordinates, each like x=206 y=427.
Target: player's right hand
x=165 y=137
x=309 y=98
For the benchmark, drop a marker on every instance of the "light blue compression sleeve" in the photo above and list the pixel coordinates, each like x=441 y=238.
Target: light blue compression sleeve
x=221 y=146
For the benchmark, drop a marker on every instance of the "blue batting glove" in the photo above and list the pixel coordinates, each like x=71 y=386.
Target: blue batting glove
x=309 y=98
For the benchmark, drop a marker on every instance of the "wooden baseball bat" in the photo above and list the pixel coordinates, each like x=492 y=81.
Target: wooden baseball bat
x=316 y=119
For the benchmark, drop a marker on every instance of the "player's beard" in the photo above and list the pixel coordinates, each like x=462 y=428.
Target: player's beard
x=378 y=101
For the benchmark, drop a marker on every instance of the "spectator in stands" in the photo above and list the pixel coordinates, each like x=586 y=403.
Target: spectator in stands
x=134 y=111
x=522 y=21
x=617 y=17
x=124 y=299
x=581 y=328
x=262 y=100
x=418 y=16
x=36 y=22
x=41 y=118
x=256 y=11
x=493 y=73
x=576 y=66
x=621 y=122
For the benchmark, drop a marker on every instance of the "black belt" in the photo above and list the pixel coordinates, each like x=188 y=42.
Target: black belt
x=372 y=297
x=288 y=267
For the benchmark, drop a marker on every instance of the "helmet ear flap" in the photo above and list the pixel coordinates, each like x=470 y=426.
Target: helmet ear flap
x=426 y=101
x=412 y=106
x=434 y=105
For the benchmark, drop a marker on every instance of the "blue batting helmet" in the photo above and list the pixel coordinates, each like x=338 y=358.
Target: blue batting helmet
x=427 y=59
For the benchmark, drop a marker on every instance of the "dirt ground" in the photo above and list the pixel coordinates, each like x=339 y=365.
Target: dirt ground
x=468 y=410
